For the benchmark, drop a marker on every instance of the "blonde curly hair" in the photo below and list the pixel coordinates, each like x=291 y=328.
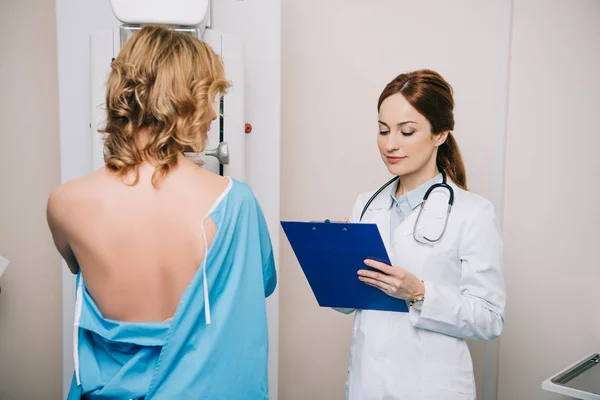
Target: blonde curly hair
x=165 y=81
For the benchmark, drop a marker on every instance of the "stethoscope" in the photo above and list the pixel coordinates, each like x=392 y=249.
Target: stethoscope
x=443 y=185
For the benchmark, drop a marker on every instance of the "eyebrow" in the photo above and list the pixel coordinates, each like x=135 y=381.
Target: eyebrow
x=399 y=124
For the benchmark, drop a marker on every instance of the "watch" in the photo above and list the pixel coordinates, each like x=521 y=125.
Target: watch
x=418 y=302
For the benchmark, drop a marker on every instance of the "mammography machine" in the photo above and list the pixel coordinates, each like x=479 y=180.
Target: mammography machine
x=225 y=148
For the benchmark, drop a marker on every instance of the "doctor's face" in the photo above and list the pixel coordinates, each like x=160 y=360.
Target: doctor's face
x=405 y=140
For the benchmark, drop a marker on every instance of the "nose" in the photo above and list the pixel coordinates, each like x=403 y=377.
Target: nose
x=213 y=113
x=392 y=143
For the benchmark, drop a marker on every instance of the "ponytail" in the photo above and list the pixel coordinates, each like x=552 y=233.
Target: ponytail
x=450 y=161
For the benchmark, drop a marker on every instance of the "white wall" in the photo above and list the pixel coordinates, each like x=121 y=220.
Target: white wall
x=256 y=23
x=333 y=73
x=30 y=305
x=551 y=217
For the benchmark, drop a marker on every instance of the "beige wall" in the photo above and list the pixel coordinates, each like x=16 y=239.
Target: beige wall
x=551 y=218
x=30 y=302
x=337 y=56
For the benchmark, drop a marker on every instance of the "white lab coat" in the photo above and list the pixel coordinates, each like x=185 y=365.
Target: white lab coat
x=423 y=354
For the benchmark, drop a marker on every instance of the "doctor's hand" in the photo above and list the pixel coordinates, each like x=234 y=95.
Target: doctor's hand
x=394 y=281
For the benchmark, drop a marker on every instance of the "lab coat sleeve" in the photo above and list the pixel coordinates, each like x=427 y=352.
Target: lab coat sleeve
x=354 y=218
x=474 y=310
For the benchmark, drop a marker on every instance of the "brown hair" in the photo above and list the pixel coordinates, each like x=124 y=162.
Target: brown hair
x=431 y=96
x=165 y=81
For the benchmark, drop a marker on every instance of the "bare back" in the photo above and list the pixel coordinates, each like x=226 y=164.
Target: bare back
x=139 y=247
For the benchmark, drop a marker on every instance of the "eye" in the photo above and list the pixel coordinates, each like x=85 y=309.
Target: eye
x=407 y=133
x=384 y=132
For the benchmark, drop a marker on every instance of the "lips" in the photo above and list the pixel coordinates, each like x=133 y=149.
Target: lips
x=395 y=160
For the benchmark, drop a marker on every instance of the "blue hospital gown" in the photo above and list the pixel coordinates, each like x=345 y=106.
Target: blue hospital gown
x=186 y=357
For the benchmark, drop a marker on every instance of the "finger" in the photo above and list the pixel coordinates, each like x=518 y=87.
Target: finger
x=345 y=219
x=378 y=276
x=376 y=284
x=386 y=269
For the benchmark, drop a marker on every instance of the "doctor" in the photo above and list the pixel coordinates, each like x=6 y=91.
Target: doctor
x=446 y=255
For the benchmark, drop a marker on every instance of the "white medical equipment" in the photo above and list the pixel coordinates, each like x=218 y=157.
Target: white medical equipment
x=578 y=381
x=225 y=149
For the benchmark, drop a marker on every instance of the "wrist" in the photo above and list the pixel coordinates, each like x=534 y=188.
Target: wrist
x=419 y=293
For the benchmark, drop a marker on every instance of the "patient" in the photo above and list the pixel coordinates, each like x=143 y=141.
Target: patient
x=173 y=262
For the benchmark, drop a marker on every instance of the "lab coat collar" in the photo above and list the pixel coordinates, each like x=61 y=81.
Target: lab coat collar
x=415 y=196
x=384 y=199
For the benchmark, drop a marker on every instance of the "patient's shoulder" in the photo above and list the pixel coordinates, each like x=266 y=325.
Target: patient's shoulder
x=242 y=194
x=70 y=199
x=66 y=196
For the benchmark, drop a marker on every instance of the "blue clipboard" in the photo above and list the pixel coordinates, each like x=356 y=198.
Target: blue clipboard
x=331 y=254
